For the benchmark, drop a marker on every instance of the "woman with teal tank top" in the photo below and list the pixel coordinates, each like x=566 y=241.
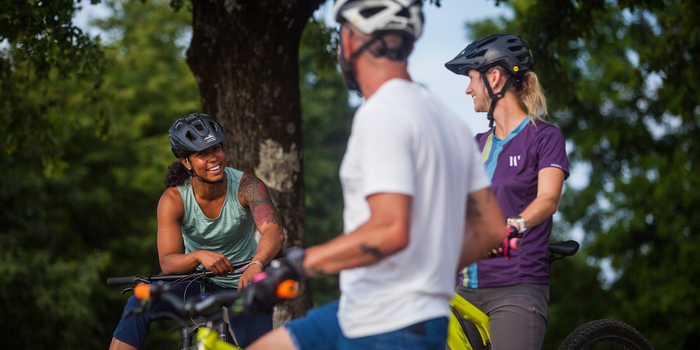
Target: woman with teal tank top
x=207 y=218
x=527 y=163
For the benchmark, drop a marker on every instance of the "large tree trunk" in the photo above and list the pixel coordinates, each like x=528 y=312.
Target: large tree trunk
x=244 y=55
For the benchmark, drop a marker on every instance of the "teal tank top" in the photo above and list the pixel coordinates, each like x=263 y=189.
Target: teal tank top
x=231 y=234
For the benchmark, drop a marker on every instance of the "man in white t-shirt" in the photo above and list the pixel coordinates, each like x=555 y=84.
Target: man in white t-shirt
x=410 y=176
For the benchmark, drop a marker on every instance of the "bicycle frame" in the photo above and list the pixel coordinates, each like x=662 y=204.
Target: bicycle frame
x=208 y=339
x=188 y=332
x=456 y=337
x=456 y=333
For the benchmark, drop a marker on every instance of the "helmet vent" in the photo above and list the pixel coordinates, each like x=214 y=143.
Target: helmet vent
x=516 y=48
x=486 y=42
x=198 y=125
x=178 y=126
x=478 y=54
x=404 y=13
x=214 y=126
x=366 y=13
x=190 y=136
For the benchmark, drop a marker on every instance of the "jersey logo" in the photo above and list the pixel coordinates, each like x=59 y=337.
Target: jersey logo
x=514 y=160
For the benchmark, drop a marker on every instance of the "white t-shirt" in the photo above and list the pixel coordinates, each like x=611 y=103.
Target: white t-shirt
x=404 y=140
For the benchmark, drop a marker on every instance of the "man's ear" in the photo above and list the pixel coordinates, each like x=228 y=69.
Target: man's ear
x=345 y=46
x=344 y=37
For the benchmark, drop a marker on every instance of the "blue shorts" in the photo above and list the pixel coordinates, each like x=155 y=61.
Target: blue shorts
x=319 y=330
x=134 y=329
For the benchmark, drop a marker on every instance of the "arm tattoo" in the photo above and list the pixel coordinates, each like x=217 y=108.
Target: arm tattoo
x=253 y=192
x=473 y=205
x=472 y=210
x=316 y=271
x=371 y=250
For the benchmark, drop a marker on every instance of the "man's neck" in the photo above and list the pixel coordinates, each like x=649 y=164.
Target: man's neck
x=372 y=77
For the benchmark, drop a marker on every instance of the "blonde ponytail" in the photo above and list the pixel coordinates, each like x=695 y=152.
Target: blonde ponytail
x=532 y=96
x=529 y=92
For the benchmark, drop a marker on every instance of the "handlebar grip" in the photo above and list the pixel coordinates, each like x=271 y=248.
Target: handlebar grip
x=288 y=289
x=113 y=281
x=142 y=291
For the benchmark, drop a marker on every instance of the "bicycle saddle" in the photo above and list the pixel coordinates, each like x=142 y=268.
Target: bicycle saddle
x=567 y=248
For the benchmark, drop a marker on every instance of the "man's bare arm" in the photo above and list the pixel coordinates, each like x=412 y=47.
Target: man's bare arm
x=485 y=226
x=384 y=234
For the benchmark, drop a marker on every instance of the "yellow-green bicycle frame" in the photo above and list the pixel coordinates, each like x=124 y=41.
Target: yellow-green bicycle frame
x=208 y=339
x=456 y=337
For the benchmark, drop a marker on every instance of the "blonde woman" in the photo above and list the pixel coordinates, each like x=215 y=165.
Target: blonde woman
x=527 y=163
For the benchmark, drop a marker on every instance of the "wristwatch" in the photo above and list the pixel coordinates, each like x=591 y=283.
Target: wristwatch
x=519 y=220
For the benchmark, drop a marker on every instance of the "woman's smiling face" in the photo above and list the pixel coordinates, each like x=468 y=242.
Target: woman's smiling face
x=208 y=163
x=478 y=92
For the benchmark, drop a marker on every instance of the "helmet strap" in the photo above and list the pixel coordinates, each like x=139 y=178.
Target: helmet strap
x=194 y=174
x=495 y=96
x=348 y=66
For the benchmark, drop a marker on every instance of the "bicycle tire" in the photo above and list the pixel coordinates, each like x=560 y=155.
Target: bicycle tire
x=605 y=334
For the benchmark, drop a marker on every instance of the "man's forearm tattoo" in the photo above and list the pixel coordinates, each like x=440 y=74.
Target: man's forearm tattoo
x=472 y=210
x=317 y=271
x=254 y=192
x=371 y=250
x=472 y=204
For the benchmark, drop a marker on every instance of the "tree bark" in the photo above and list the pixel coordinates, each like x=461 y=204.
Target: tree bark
x=245 y=57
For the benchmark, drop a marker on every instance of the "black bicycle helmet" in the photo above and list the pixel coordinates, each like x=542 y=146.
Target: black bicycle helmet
x=507 y=50
x=194 y=133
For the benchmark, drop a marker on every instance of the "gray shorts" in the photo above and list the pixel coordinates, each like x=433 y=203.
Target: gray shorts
x=518 y=315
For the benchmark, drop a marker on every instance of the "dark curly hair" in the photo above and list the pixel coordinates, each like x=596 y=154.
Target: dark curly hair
x=177 y=175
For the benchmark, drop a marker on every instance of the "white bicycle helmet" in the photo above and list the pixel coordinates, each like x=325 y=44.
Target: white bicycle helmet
x=372 y=16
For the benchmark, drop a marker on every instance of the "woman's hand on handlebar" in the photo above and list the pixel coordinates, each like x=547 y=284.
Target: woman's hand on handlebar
x=216 y=262
x=247 y=276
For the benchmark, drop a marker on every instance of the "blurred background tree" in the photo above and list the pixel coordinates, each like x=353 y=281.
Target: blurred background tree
x=89 y=212
x=621 y=80
x=326 y=127
x=85 y=153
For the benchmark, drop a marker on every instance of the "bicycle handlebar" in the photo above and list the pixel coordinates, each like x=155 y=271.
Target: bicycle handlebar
x=198 y=307
x=113 y=281
x=192 y=307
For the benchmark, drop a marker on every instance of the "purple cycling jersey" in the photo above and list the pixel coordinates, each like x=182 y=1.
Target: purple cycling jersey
x=519 y=158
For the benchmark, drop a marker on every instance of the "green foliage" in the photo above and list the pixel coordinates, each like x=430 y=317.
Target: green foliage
x=45 y=36
x=621 y=80
x=44 y=50
x=326 y=120
x=84 y=157
x=65 y=234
